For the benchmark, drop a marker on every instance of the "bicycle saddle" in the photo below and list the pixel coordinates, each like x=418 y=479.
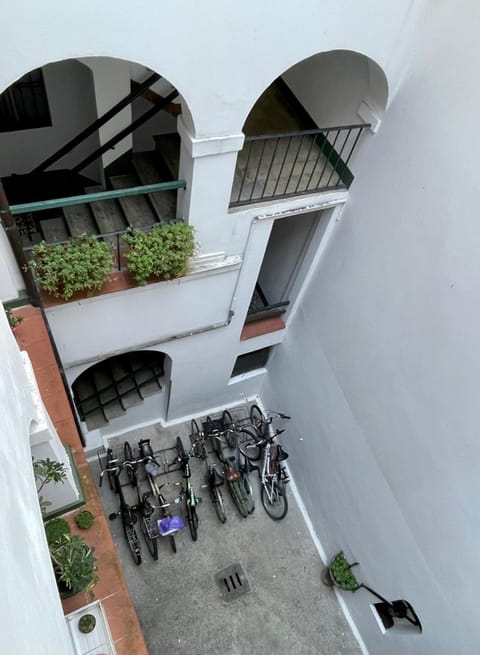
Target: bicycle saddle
x=281 y=454
x=215 y=478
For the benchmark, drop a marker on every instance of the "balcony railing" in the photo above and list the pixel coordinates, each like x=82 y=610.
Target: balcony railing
x=273 y=166
x=260 y=309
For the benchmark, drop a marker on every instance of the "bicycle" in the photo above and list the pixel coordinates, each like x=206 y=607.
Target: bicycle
x=261 y=422
x=191 y=500
x=214 y=479
x=273 y=475
x=238 y=491
x=127 y=513
x=152 y=470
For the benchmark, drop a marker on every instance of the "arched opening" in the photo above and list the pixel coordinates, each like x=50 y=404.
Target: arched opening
x=87 y=127
x=302 y=132
x=109 y=389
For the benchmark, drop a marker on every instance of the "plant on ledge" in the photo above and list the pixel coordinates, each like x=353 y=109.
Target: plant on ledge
x=163 y=252
x=340 y=573
x=74 y=565
x=82 y=264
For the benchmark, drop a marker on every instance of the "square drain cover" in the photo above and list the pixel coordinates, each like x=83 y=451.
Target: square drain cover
x=232 y=582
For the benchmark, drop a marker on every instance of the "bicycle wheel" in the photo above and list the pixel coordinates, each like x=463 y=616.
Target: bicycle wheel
x=218 y=446
x=128 y=456
x=217 y=500
x=247 y=485
x=238 y=497
x=173 y=544
x=151 y=542
x=195 y=430
x=250 y=444
x=192 y=521
x=180 y=449
x=276 y=505
x=133 y=544
x=258 y=420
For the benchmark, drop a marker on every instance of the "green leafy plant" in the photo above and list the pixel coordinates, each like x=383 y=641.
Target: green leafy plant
x=82 y=264
x=87 y=623
x=341 y=573
x=47 y=471
x=162 y=252
x=84 y=519
x=74 y=564
x=13 y=320
x=56 y=529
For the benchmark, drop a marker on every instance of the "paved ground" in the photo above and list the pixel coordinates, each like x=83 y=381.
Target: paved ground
x=179 y=604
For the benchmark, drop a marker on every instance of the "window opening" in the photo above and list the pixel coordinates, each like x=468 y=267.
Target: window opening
x=251 y=361
x=24 y=105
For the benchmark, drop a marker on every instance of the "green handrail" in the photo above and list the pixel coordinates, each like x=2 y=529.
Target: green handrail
x=265 y=308
x=94 y=197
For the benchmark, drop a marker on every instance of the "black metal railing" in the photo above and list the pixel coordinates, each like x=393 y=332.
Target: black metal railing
x=272 y=166
x=267 y=311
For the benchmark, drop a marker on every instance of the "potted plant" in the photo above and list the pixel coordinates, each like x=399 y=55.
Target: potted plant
x=56 y=529
x=87 y=623
x=74 y=565
x=339 y=573
x=84 y=519
x=82 y=264
x=163 y=252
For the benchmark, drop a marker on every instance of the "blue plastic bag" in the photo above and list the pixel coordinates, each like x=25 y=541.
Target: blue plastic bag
x=169 y=525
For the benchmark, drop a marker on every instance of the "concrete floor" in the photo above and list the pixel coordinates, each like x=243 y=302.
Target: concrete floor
x=179 y=604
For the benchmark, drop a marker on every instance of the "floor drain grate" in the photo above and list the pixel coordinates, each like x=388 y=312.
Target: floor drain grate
x=232 y=582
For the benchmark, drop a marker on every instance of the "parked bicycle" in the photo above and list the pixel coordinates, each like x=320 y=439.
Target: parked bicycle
x=240 y=492
x=191 y=499
x=126 y=512
x=169 y=524
x=273 y=475
x=214 y=479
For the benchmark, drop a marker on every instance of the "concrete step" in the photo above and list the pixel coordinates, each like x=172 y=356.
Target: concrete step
x=131 y=399
x=54 y=229
x=147 y=169
x=137 y=209
x=168 y=148
x=108 y=214
x=113 y=410
x=95 y=420
x=79 y=220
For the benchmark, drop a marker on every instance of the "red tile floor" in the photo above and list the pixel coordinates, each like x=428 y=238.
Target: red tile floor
x=111 y=588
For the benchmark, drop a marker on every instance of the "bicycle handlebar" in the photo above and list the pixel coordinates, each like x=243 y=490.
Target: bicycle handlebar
x=119 y=466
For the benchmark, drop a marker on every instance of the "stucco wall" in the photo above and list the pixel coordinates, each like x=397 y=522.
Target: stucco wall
x=380 y=366
x=29 y=604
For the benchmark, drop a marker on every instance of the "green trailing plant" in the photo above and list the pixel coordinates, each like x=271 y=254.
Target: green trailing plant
x=56 y=529
x=74 y=564
x=13 y=320
x=162 y=252
x=84 y=519
x=82 y=264
x=47 y=471
x=341 y=573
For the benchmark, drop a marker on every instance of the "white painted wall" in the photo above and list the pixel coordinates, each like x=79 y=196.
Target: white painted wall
x=382 y=358
x=72 y=107
x=30 y=598
x=332 y=85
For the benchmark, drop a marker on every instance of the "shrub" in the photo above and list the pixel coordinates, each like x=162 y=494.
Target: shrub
x=84 y=263
x=56 y=529
x=341 y=572
x=162 y=252
x=84 y=519
x=74 y=564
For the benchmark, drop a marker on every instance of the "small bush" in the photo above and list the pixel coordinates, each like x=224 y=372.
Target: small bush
x=56 y=529
x=162 y=252
x=342 y=573
x=84 y=519
x=82 y=264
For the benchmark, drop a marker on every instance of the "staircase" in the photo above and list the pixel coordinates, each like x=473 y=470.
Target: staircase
x=108 y=389
x=106 y=216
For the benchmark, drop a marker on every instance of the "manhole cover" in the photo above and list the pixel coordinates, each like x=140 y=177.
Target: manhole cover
x=232 y=582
